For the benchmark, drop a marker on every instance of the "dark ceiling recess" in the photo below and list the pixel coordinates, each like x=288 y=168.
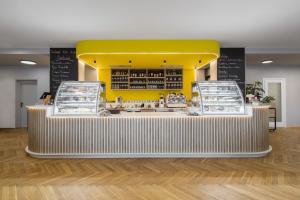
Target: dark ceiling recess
x=13 y=60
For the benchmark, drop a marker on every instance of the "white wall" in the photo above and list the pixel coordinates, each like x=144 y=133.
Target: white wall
x=214 y=70
x=292 y=76
x=86 y=72
x=8 y=77
x=81 y=71
x=91 y=74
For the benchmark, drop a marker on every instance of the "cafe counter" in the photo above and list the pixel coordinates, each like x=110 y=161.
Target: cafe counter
x=155 y=134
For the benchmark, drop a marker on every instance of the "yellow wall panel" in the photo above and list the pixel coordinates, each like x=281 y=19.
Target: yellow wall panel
x=104 y=75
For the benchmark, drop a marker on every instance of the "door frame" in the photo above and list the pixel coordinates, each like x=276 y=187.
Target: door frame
x=282 y=81
x=18 y=83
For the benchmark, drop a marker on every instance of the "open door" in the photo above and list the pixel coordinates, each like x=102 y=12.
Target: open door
x=276 y=88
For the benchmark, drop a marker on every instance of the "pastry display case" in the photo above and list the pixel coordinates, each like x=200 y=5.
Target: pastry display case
x=217 y=97
x=79 y=98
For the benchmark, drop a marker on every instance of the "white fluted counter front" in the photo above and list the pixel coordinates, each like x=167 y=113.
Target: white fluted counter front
x=147 y=135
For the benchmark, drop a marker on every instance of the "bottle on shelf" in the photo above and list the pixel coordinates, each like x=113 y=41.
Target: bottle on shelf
x=161 y=101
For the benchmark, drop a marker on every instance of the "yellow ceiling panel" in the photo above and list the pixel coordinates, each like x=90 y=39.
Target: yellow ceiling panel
x=147 y=53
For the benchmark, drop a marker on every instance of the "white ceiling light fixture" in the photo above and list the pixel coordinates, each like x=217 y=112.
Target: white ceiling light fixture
x=267 y=61
x=28 y=62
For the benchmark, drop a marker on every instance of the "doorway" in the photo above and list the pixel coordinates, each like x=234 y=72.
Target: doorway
x=26 y=95
x=276 y=88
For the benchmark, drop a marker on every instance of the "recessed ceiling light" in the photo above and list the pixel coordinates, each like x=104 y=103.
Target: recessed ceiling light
x=28 y=62
x=267 y=61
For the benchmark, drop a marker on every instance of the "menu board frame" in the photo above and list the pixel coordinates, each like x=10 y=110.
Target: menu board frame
x=63 y=67
x=231 y=66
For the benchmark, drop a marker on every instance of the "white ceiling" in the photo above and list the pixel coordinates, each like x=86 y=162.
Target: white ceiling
x=236 y=23
x=278 y=59
x=13 y=60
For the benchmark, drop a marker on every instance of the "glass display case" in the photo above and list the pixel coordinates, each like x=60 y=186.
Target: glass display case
x=217 y=97
x=176 y=100
x=79 y=98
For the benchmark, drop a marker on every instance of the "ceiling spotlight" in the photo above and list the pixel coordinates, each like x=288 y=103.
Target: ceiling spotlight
x=28 y=62
x=267 y=61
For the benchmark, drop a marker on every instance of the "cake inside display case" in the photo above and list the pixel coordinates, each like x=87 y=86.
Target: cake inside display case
x=176 y=100
x=218 y=97
x=79 y=98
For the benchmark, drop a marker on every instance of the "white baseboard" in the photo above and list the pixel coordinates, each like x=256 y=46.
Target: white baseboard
x=152 y=155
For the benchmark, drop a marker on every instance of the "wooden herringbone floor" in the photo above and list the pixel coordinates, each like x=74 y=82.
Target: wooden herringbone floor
x=276 y=176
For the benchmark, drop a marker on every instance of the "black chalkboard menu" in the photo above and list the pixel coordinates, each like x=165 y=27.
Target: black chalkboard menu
x=231 y=66
x=63 y=67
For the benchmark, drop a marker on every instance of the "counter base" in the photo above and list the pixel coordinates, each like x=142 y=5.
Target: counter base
x=151 y=155
x=181 y=136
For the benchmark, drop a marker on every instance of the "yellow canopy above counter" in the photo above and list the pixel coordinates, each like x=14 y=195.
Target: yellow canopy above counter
x=147 y=53
x=188 y=54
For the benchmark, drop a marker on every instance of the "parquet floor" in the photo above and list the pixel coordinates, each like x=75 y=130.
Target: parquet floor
x=276 y=176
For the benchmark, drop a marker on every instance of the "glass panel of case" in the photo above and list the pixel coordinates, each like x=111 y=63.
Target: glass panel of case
x=79 y=98
x=218 y=97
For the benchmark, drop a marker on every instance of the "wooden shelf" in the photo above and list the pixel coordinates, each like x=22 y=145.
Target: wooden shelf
x=172 y=81
x=174 y=75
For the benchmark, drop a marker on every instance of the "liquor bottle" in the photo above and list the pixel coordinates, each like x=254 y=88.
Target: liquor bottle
x=161 y=101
